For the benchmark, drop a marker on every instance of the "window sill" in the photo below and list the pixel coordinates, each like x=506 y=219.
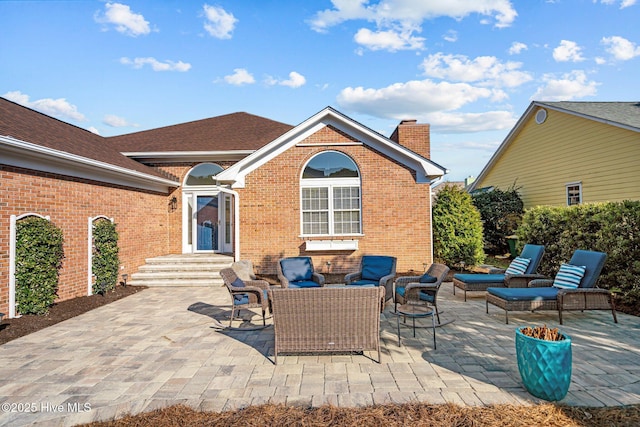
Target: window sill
x=331 y=245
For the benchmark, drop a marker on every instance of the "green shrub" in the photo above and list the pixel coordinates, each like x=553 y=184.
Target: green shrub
x=457 y=228
x=105 y=263
x=501 y=213
x=606 y=227
x=39 y=254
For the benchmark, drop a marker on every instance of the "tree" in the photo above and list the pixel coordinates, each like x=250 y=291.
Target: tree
x=457 y=228
x=501 y=213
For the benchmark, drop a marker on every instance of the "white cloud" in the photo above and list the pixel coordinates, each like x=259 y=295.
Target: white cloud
x=568 y=51
x=156 y=65
x=451 y=36
x=116 y=122
x=125 y=21
x=59 y=108
x=573 y=85
x=220 y=23
x=487 y=70
x=413 y=98
x=388 y=40
x=623 y=3
x=295 y=80
x=517 y=47
x=412 y=11
x=621 y=48
x=239 y=77
x=442 y=122
x=93 y=129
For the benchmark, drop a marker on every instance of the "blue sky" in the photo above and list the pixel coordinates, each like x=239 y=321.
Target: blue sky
x=469 y=68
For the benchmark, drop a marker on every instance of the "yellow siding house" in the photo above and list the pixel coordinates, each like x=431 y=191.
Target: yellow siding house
x=565 y=153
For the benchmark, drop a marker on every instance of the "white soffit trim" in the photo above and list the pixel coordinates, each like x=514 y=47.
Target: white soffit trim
x=24 y=154
x=426 y=171
x=187 y=156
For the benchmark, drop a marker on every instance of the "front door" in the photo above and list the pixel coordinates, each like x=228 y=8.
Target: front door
x=206 y=224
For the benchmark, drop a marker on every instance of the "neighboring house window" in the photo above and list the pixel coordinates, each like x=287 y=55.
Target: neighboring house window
x=574 y=193
x=330 y=195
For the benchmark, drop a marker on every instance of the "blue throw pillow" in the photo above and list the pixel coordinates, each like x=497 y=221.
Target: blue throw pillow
x=238 y=283
x=569 y=276
x=518 y=266
x=427 y=278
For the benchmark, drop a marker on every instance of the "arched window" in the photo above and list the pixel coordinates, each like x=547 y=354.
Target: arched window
x=203 y=174
x=330 y=195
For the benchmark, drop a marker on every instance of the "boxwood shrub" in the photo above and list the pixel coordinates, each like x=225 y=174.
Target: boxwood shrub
x=105 y=263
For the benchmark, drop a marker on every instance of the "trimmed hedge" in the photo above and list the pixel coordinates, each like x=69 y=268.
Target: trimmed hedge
x=39 y=254
x=612 y=228
x=457 y=228
x=105 y=262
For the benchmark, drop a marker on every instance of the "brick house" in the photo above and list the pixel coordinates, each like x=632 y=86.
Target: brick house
x=237 y=184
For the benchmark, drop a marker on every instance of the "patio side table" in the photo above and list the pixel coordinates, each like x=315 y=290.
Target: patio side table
x=414 y=312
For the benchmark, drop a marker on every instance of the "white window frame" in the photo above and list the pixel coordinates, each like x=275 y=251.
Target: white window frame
x=330 y=184
x=569 y=197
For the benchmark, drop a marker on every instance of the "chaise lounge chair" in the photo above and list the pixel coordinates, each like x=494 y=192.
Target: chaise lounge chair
x=512 y=277
x=572 y=289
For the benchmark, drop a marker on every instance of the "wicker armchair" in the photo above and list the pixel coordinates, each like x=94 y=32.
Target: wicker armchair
x=245 y=293
x=498 y=278
x=298 y=272
x=410 y=290
x=541 y=295
x=375 y=270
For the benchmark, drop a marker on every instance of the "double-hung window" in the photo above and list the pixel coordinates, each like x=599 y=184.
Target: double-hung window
x=330 y=196
x=574 y=193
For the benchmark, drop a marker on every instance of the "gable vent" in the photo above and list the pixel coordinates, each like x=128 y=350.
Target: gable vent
x=541 y=116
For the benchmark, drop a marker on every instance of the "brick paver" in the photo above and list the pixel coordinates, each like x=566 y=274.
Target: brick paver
x=158 y=347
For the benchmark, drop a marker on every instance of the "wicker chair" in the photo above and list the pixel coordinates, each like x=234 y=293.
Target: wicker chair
x=541 y=295
x=245 y=293
x=375 y=270
x=410 y=289
x=498 y=278
x=298 y=272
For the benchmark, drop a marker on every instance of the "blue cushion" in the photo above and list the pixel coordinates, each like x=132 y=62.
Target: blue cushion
x=376 y=267
x=423 y=295
x=365 y=283
x=525 y=294
x=480 y=278
x=238 y=283
x=240 y=299
x=427 y=278
x=304 y=284
x=297 y=268
x=569 y=276
x=518 y=266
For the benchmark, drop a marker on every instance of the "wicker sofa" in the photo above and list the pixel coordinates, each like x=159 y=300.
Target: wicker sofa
x=327 y=319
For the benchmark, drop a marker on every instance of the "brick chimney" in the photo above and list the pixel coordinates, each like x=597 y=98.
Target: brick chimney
x=414 y=136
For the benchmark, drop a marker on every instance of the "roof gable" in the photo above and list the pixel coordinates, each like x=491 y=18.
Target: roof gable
x=426 y=170
x=625 y=115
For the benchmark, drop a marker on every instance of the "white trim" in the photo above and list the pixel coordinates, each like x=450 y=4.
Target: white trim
x=566 y=191
x=426 y=170
x=331 y=245
x=24 y=154
x=12 y=258
x=187 y=156
x=90 y=251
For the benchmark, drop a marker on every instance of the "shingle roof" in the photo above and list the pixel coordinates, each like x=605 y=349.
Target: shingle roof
x=236 y=131
x=623 y=113
x=33 y=127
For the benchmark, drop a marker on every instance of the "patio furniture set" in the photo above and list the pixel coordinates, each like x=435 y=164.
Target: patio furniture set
x=311 y=316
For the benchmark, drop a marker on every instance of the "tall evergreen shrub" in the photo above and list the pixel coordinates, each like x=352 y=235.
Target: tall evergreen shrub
x=39 y=254
x=105 y=262
x=457 y=228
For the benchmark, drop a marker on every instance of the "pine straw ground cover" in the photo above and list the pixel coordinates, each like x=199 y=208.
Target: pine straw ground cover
x=409 y=414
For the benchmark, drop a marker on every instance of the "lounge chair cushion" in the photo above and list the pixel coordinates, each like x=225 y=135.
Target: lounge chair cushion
x=297 y=268
x=518 y=265
x=427 y=278
x=240 y=299
x=423 y=295
x=304 y=284
x=365 y=283
x=525 y=294
x=569 y=276
x=376 y=267
x=480 y=278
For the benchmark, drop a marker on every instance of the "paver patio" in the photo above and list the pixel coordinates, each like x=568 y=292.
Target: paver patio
x=157 y=348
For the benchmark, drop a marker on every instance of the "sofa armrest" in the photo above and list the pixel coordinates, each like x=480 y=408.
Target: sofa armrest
x=352 y=277
x=318 y=278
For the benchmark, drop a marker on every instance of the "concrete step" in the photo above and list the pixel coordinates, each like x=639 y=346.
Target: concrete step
x=177 y=282
x=182 y=270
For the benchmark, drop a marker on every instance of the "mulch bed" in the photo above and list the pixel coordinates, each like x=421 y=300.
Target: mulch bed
x=11 y=329
x=392 y=415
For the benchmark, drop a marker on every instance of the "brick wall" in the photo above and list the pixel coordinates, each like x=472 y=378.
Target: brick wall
x=141 y=219
x=395 y=210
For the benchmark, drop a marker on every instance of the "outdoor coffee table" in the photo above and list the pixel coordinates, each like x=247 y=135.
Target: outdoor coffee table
x=414 y=312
